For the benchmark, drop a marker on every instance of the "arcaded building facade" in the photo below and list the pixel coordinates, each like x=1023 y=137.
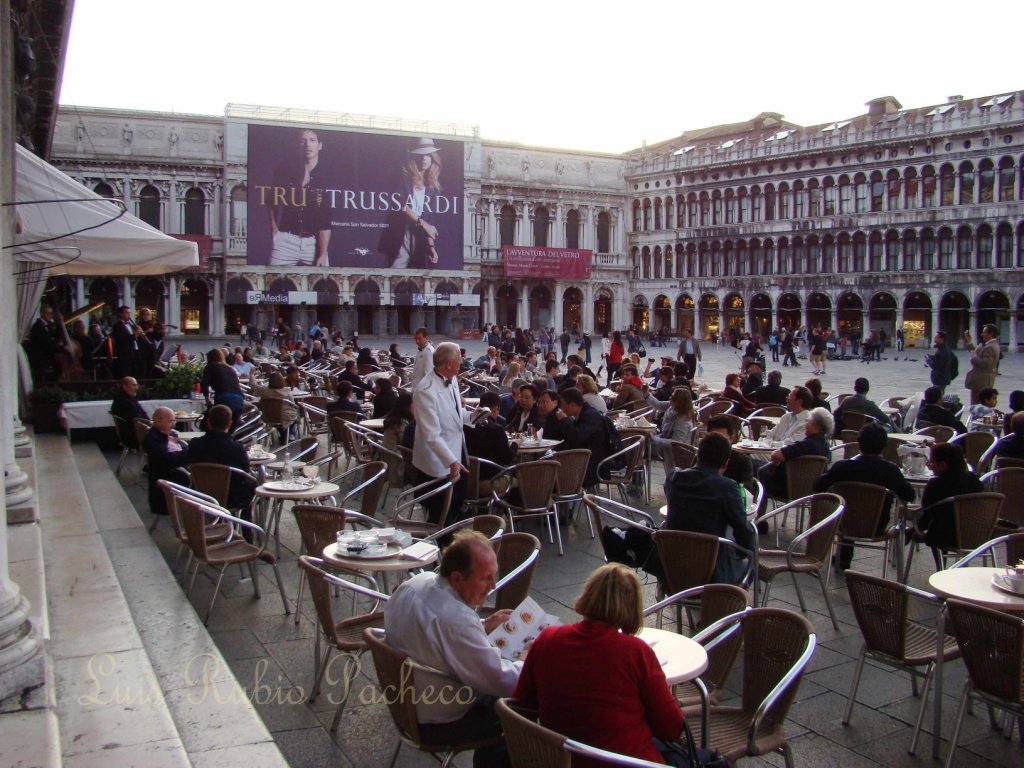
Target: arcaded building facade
x=897 y=218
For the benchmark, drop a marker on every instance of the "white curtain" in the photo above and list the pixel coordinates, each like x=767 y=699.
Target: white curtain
x=31 y=282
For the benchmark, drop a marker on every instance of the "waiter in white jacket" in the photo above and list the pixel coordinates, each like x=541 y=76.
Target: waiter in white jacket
x=440 y=447
x=424 y=356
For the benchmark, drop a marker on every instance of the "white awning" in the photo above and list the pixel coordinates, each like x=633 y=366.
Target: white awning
x=110 y=241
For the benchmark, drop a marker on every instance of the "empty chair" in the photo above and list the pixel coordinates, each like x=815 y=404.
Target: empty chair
x=1008 y=481
x=856 y=421
x=220 y=555
x=716 y=602
x=808 y=552
x=777 y=646
x=406 y=503
x=572 y=470
x=992 y=646
x=975 y=445
x=938 y=432
x=628 y=458
x=882 y=609
x=344 y=635
x=535 y=481
x=517 y=559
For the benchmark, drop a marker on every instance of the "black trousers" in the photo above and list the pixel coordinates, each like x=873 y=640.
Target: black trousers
x=434 y=505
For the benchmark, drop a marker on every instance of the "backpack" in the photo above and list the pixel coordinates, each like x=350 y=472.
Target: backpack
x=954 y=366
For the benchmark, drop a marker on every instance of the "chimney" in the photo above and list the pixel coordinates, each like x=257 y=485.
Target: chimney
x=954 y=99
x=882 y=106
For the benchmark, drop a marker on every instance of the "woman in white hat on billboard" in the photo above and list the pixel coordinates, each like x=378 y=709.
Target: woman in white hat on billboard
x=409 y=238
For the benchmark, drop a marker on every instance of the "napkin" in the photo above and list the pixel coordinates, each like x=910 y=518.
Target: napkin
x=419 y=550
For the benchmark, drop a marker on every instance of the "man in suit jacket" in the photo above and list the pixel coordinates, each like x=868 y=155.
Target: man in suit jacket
x=440 y=449
x=582 y=426
x=126 y=347
x=344 y=403
x=125 y=406
x=871 y=468
x=487 y=440
x=218 y=447
x=42 y=344
x=165 y=454
x=984 y=362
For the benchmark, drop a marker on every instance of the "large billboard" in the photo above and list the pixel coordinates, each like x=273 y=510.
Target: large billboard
x=321 y=198
x=554 y=263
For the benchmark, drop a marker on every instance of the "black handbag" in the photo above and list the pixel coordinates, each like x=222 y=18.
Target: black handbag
x=689 y=755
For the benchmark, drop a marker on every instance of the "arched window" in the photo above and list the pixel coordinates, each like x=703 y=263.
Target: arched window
x=861 y=193
x=604 y=232
x=1004 y=246
x=669 y=213
x=910 y=251
x=892 y=251
x=947 y=185
x=965 y=248
x=799 y=200
x=636 y=215
x=705 y=210
x=986 y=182
x=756 y=204
x=893 y=189
x=875 y=257
x=785 y=202
x=195 y=212
x=945 y=248
x=927 y=250
x=657 y=213
x=692 y=218
x=860 y=253
x=669 y=268
x=846 y=195
x=768 y=259
x=728 y=267
x=572 y=229
x=910 y=198
x=716 y=208
x=742 y=213
x=878 y=192
x=814 y=255
x=149 y=205
x=730 y=207
x=785 y=254
x=541 y=224
x=799 y=257
x=984 y=247
x=104 y=190
x=966 y=184
x=769 y=203
x=830 y=197
x=846 y=253
x=928 y=187
x=828 y=255
x=507 y=225
x=647 y=215
x=1006 y=179
x=741 y=258
x=647 y=263
x=657 y=262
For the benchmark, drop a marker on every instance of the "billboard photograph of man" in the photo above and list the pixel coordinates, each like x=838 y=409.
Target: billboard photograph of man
x=300 y=214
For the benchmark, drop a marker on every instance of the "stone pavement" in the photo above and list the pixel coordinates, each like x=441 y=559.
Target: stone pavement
x=271 y=656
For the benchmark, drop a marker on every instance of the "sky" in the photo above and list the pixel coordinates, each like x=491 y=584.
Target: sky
x=561 y=73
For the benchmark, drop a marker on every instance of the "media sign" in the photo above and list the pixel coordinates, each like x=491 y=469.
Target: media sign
x=320 y=198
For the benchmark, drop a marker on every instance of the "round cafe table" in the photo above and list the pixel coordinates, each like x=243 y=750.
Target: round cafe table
x=275 y=495
x=972 y=585
x=375 y=424
x=925 y=440
x=681 y=658
x=531 y=448
x=395 y=562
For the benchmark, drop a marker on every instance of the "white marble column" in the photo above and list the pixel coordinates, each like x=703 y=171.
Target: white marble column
x=492 y=239
x=936 y=327
x=490 y=311
x=1012 y=341
x=557 y=315
x=587 y=315
x=80 y=296
x=173 y=306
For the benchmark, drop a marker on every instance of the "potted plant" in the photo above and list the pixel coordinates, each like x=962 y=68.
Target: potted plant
x=180 y=381
x=46 y=402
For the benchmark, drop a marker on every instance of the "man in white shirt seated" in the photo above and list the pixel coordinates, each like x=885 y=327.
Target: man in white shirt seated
x=791 y=425
x=242 y=367
x=432 y=618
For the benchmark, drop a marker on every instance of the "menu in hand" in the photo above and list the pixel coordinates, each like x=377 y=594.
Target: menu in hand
x=525 y=623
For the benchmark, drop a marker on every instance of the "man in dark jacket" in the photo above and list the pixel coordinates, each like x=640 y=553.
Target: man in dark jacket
x=218 y=447
x=344 y=401
x=702 y=500
x=126 y=407
x=871 y=468
x=933 y=411
x=859 y=403
x=941 y=362
x=165 y=454
x=487 y=440
x=772 y=393
x=583 y=426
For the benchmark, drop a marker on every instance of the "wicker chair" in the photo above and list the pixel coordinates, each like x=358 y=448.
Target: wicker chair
x=992 y=646
x=1008 y=481
x=808 y=552
x=1006 y=461
x=975 y=516
x=683 y=456
x=536 y=481
x=193 y=516
x=882 y=609
x=632 y=453
x=271 y=409
x=478 y=491
x=345 y=635
x=531 y=745
x=775 y=411
x=865 y=505
x=517 y=559
x=491 y=526
x=939 y=433
x=368 y=481
x=216 y=532
x=572 y=469
x=641 y=475
x=716 y=602
x=777 y=646
x=214 y=480
x=759 y=426
x=801 y=473
x=127 y=439
x=406 y=503
x=397 y=672
x=857 y=421
x=687 y=560
x=975 y=445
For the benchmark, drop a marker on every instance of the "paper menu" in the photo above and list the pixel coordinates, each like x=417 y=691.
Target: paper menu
x=525 y=623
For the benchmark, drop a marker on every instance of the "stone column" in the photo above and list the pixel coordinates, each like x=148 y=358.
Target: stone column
x=174 y=307
x=217 y=316
x=558 y=236
x=936 y=327
x=557 y=319
x=173 y=225
x=587 y=315
x=126 y=295
x=492 y=239
x=834 y=322
x=489 y=310
x=972 y=324
x=1012 y=341
x=80 y=296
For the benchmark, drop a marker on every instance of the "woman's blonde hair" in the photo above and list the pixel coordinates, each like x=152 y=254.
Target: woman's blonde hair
x=586 y=385
x=612 y=596
x=432 y=180
x=513 y=373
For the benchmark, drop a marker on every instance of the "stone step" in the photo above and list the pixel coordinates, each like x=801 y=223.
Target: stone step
x=129 y=652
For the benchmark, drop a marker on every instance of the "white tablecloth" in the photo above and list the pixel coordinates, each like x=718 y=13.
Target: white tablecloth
x=96 y=413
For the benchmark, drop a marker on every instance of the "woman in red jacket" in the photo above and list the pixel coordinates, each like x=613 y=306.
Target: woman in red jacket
x=596 y=684
x=615 y=354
